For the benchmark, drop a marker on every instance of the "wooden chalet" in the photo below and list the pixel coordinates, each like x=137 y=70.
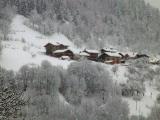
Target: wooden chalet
x=111 y=58
x=64 y=52
x=132 y=55
x=93 y=54
x=124 y=55
x=51 y=47
x=128 y=55
x=83 y=55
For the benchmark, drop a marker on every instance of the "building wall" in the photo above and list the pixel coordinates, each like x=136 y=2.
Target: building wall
x=51 y=48
x=68 y=53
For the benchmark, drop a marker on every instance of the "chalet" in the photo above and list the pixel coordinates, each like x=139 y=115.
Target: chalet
x=51 y=47
x=93 y=54
x=128 y=55
x=110 y=58
x=64 y=52
x=132 y=55
x=83 y=55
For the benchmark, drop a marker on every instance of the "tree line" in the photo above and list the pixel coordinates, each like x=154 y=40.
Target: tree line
x=95 y=23
x=83 y=91
x=6 y=14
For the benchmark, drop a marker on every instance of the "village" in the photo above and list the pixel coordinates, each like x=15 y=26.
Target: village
x=31 y=49
x=109 y=56
x=104 y=55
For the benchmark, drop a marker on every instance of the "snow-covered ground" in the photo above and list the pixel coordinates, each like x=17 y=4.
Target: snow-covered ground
x=144 y=106
x=26 y=47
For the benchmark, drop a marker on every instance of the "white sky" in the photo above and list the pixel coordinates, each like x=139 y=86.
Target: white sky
x=155 y=3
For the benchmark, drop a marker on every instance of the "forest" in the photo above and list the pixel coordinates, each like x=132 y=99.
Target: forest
x=84 y=91
x=124 y=23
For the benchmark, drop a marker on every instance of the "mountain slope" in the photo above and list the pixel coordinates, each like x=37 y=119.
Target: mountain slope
x=26 y=46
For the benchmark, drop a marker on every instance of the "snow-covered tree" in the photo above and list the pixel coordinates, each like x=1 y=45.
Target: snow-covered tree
x=120 y=22
x=155 y=113
x=86 y=79
x=35 y=18
x=6 y=14
x=114 y=109
x=11 y=100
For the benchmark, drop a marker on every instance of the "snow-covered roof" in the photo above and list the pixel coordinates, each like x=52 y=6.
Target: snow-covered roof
x=131 y=54
x=84 y=54
x=74 y=50
x=91 y=51
x=109 y=50
x=116 y=54
x=53 y=43
x=61 y=51
x=61 y=44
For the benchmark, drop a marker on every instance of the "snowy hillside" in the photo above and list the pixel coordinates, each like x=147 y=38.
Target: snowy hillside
x=26 y=47
x=143 y=106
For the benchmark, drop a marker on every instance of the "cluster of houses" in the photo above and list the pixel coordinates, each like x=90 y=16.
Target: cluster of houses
x=105 y=55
